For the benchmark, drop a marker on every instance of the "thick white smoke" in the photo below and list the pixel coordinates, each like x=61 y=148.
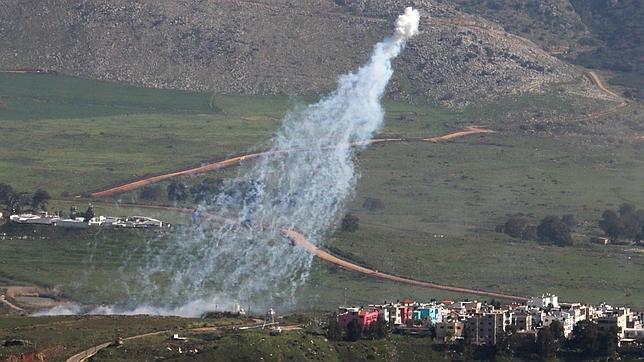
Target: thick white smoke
x=247 y=259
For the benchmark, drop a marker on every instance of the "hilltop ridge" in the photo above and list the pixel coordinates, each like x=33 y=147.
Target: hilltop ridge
x=272 y=47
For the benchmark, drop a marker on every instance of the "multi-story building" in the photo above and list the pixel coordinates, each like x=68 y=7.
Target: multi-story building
x=522 y=320
x=616 y=318
x=546 y=301
x=449 y=330
x=365 y=316
x=486 y=328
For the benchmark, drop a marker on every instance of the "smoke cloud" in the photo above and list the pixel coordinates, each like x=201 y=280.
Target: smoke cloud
x=245 y=258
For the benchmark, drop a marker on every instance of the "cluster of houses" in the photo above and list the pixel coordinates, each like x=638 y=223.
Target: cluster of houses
x=44 y=218
x=484 y=324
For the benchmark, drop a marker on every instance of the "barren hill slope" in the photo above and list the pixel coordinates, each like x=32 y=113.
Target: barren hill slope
x=264 y=46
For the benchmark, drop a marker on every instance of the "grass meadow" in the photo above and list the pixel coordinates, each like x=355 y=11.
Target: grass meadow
x=441 y=200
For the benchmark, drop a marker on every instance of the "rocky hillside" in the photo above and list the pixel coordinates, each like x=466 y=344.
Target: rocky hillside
x=271 y=46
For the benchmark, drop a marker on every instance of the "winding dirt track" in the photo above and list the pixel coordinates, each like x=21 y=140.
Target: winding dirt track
x=300 y=240
x=213 y=166
x=599 y=82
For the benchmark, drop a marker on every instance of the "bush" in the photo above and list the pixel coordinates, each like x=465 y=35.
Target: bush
x=333 y=329
x=515 y=227
x=354 y=330
x=552 y=229
x=627 y=224
x=151 y=192
x=350 y=223
x=177 y=191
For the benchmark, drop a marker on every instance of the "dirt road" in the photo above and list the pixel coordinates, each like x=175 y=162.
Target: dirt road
x=599 y=82
x=213 y=166
x=90 y=352
x=12 y=306
x=301 y=241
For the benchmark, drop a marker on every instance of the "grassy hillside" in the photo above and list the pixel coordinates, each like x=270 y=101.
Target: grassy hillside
x=60 y=337
x=441 y=201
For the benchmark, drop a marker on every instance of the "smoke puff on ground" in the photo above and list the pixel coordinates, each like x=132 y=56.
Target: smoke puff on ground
x=302 y=183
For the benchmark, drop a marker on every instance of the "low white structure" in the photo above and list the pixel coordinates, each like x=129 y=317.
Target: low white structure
x=77 y=223
x=38 y=219
x=137 y=222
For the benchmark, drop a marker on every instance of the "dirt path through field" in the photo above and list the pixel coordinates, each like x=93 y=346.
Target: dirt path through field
x=218 y=165
x=301 y=241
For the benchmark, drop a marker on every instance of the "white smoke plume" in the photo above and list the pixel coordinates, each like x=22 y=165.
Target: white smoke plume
x=247 y=259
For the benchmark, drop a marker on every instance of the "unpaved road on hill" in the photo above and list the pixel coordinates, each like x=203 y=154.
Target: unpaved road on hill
x=301 y=241
x=213 y=166
x=90 y=352
x=599 y=82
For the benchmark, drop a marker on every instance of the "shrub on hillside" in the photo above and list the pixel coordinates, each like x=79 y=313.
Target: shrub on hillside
x=350 y=223
x=553 y=230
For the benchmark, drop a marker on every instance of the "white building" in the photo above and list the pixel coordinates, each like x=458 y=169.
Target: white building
x=545 y=301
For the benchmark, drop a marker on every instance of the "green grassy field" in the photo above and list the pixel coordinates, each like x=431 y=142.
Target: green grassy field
x=61 y=337
x=441 y=200
x=259 y=345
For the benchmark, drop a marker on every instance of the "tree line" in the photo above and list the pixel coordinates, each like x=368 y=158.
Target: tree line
x=16 y=202
x=623 y=224
x=551 y=229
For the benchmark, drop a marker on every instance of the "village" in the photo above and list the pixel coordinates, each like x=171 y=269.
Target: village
x=489 y=323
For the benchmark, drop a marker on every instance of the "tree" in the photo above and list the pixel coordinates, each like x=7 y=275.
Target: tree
x=569 y=220
x=354 y=330
x=546 y=344
x=585 y=338
x=350 y=223
x=89 y=214
x=608 y=342
x=40 y=199
x=381 y=328
x=552 y=229
x=530 y=233
x=15 y=202
x=206 y=190
x=5 y=191
x=515 y=227
x=627 y=223
x=151 y=192
x=177 y=191
x=626 y=209
x=611 y=224
x=333 y=329
x=557 y=330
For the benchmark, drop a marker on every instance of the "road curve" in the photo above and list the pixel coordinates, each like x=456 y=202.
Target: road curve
x=4 y=301
x=302 y=242
x=237 y=159
x=90 y=352
x=599 y=82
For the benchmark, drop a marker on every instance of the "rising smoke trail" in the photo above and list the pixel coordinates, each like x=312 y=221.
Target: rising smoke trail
x=246 y=257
